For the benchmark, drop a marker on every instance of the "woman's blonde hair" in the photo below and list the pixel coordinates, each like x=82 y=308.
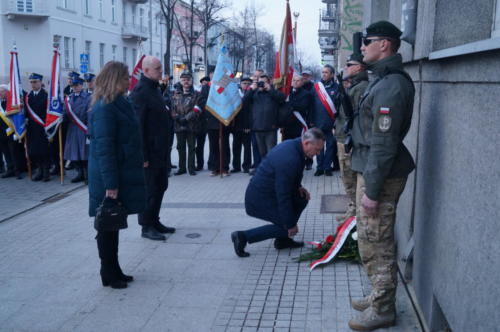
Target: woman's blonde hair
x=108 y=83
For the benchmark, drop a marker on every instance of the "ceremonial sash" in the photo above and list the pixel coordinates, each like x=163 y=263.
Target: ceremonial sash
x=76 y=120
x=32 y=113
x=301 y=120
x=325 y=99
x=342 y=233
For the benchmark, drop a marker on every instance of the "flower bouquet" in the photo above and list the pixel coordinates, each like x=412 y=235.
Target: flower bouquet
x=343 y=245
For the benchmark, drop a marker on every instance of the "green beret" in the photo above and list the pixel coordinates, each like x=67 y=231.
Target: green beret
x=383 y=29
x=358 y=57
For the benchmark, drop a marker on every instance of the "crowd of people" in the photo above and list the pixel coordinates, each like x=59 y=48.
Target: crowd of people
x=356 y=124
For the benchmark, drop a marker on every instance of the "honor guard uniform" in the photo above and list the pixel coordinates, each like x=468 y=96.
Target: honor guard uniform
x=38 y=144
x=89 y=78
x=77 y=106
x=382 y=163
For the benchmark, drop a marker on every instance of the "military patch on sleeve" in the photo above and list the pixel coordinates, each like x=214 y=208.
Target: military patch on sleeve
x=384 y=123
x=384 y=110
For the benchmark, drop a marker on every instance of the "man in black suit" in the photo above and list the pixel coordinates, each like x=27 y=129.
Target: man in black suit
x=155 y=121
x=38 y=144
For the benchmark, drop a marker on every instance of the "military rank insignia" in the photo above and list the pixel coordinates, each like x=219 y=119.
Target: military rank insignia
x=384 y=110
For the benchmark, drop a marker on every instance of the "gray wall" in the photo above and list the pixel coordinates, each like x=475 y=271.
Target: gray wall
x=451 y=202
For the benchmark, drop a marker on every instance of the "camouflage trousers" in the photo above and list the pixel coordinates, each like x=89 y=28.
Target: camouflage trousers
x=349 y=178
x=376 y=242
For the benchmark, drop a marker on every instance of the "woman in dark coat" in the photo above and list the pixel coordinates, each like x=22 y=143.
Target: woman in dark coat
x=115 y=162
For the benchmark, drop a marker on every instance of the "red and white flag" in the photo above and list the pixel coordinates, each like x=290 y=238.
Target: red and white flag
x=283 y=71
x=136 y=73
x=54 y=105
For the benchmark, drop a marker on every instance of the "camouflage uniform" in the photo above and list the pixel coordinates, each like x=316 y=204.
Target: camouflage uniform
x=383 y=164
x=358 y=87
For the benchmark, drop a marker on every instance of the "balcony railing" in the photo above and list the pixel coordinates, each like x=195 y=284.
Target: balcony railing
x=327 y=15
x=134 y=31
x=32 y=8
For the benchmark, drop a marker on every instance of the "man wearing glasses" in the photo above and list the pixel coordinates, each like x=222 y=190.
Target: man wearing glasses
x=382 y=164
x=357 y=78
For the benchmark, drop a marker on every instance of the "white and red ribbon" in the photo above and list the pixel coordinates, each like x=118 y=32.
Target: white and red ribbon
x=76 y=120
x=301 y=120
x=32 y=113
x=325 y=99
x=342 y=234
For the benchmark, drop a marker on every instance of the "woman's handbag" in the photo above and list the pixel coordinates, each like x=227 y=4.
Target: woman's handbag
x=111 y=215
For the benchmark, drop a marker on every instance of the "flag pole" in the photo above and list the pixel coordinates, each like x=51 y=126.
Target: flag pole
x=61 y=161
x=221 y=151
x=28 y=161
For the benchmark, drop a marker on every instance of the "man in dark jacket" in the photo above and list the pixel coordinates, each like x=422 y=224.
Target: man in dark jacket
x=300 y=102
x=240 y=129
x=323 y=118
x=155 y=123
x=264 y=103
x=38 y=144
x=186 y=110
x=275 y=193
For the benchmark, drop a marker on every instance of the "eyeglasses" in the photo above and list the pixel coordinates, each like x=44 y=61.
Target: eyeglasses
x=367 y=42
x=352 y=64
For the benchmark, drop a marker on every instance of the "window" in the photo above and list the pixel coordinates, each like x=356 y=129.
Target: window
x=66 y=4
x=88 y=48
x=101 y=10
x=125 y=55
x=66 y=52
x=86 y=7
x=134 y=11
x=124 y=13
x=134 y=57
x=25 y=6
x=113 y=52
x=101 y=55
x=73 y=53
x=141 y=17
x=113 y=11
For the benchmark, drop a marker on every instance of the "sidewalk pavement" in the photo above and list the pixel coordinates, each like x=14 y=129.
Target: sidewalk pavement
x=49 y=279
x=21 y=195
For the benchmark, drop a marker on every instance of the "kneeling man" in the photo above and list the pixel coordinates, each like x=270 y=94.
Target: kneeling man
x=275 y=193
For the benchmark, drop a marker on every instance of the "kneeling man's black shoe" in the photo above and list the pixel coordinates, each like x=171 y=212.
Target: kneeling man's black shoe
x=152 y=234
x=287 y=243
x=239 y=242
x=164 y=229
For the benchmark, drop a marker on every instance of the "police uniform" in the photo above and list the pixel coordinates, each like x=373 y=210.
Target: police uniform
x=359 y=82
x=382 y=164
x=38 y=144
x=89 y=78
x=76 y=147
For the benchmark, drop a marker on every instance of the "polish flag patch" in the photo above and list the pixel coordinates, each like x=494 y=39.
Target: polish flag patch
x=384 y=110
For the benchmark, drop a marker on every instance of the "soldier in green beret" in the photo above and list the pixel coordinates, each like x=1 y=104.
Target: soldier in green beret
x=382 y=164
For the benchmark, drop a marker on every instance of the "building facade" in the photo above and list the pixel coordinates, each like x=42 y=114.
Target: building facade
x=103 y=29
x=447 y=226
x=328 y=32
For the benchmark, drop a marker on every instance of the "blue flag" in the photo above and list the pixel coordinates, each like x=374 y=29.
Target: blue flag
x=224 y=100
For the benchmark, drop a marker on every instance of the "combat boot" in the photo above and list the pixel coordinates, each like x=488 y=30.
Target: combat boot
x=361 y=304
x=370 y=320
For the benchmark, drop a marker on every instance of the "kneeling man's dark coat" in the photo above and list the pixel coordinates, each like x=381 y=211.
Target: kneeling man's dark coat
x=273 y=192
